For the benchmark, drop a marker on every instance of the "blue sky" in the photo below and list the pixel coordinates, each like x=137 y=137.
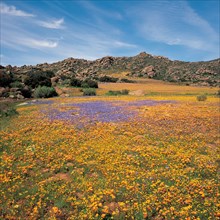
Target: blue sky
x=38 y=31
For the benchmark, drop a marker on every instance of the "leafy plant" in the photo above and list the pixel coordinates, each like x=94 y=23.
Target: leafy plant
x=127 y=80
x=89 y=83
x=16 y=84
x=111 y=92
x=5 y=79
x=75 y=82
x=26 y=92
x=124 y=91
x=108 y=79
x=118 y=92
x=39 y=78
x=45 y=92
x=7 y=110
x=89 y=92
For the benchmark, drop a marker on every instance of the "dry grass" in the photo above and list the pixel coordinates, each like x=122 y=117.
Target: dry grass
x=150 y=86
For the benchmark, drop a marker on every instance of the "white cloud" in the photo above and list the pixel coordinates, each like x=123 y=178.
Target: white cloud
x=123 y=44
x=40 y=43
x=53 y=24
x=11 y=10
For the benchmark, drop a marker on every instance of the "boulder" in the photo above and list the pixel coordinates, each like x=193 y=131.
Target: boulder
x=14 y=89
x=3 y=91
x=149 y=71
x=54 y=80
x=19 y=96
x=12 y=96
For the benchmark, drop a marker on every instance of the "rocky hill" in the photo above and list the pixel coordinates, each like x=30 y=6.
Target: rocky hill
x=143 y=65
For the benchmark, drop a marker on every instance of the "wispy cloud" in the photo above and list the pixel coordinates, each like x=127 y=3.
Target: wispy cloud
x=12 y=11
x=36 y=43
x=100 y=12
x=53 y=24
x=174 y=23
x=20 y=38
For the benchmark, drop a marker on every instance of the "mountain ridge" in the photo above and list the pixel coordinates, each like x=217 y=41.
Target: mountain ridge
x=143 y=65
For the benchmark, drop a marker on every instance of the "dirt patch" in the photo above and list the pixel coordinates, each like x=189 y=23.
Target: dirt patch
x=59 y=176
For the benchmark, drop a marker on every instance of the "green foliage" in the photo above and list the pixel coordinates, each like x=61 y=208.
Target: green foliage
x=127 y=80
x=118 y=92
x=107 y=79
x=38 y=78
x=75 y=82
x=89 y=83
x=111 y=92
x=201 y=97
x=16 y=84
x=124 y=91
x=89 y=92
x=26 y=92
x=5 y=79
x=7 y=110
x=218 y=93
x=44 y=92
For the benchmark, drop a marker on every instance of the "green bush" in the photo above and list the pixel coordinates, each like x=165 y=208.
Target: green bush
x=218 y=93
x=26 y=92
x=16 y=84
x=5 y=79
x=75 y=82
x=201 y=97
x=111 y=92
x=107 y=79
x=38 y=78
x=124 y=92
x=127 y=80
x=44 y=92
x=7 y=110
x=89 y=83
x=89 y=92
x=118 y=92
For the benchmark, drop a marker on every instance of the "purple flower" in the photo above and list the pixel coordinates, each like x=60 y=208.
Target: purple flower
x=90 y=112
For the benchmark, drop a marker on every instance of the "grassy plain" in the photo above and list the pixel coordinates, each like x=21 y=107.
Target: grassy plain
x=161 y=161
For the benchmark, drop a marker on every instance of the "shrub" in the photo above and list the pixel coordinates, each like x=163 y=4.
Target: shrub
x=89 y=83
x=108 y=79
x=26 y=92
x=89 y=92
x=75 y=82
x=16 y=84
x=5 y=79
x=44 y=92
x=201 y=97
x=124 y=92
x=8 y=113
x=39 y=78
x=118 y=92
x=127 y=80
x=218 y=93
x=7 y=110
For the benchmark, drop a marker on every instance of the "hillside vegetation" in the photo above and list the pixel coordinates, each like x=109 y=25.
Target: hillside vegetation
x=20 y=82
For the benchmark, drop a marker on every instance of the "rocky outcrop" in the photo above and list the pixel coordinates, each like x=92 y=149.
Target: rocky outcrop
x=149 y=71
x=141 y=65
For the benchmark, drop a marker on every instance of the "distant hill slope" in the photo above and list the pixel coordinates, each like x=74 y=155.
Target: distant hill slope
x=143 y=65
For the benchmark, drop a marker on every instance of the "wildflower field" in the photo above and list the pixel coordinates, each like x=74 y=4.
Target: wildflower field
x=127 y=157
